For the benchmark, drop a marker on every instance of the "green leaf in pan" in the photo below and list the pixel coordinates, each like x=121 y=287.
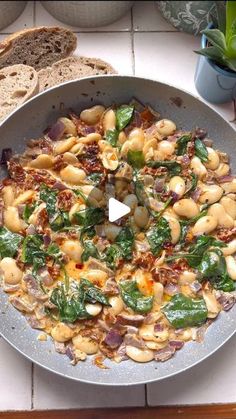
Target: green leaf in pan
x=133 y=298
x=201 y=150
x=9 y=242
x=182 y=143
x=123 y=116
x=136 y=159
x=112 y=136
x=158 y=235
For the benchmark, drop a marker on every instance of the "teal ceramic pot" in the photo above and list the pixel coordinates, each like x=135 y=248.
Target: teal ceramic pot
x=213 y=83
x=188 y=16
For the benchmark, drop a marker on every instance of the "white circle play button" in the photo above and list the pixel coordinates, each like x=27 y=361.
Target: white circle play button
x=116 y=210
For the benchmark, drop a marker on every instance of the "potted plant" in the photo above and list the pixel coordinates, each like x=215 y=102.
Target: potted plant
x=215 y=76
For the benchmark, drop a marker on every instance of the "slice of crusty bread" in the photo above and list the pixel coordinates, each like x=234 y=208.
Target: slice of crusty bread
x=18 y=83
x=72 y=68
x=37 y=47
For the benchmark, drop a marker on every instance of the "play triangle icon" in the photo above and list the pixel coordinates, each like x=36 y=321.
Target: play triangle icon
x=116 y=209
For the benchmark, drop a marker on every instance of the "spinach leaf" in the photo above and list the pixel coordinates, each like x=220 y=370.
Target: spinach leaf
x=125 y=241
x=9 y=242
x=201 y=150
x=89 y=250
x=58 y=219
x=193 y=186
x=90 y=217
x=173 y=166
x=112 y=136
x=92 y=294
x=28 y=211
x=213 y=268
x=133 y=298
x=182 y=143
x=136 y=159
x=70 y=307
x=197 y=250
x=184 y=225
x=95 y=178
x=158 y=235
x=183 y=311
x=123 y=116
x=112 y=256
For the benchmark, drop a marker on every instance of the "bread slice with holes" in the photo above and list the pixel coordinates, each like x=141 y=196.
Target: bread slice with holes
x=37 y=47
x=72 y=68
x=18 y=83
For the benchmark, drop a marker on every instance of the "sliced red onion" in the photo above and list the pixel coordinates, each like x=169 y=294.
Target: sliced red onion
x=137 y=119
x=134 y=340
x=200 y=332
x=150 y=318
x=35 y=323
x=70 y=353
x=195 y=195
x=94 y=263
x=159 y=184
x=11 y=288
x=131 y=330
x=195 y=286
x=56 y=131
x=158 y=327
x=151 y=132
x=59 y=186
x=45 y=276
x=121 y=353
x=208 y=142
x=103 y=325
x=111 y=287
x=100 y=230
x=200 y=133
x=21 y=208
x=22 y=305
x=129 y=319
x=176 y=344
x=6 y=155
x=225 y=179
x=46 y=240
x=164 y=354
x=88 y=130
x=33 y=288
x=175 y=197
x=142 y=247
x=186 y=160
x=113 y=339
x=30 y=231
x=60 y=347
x=226 y=300
x=171 y=289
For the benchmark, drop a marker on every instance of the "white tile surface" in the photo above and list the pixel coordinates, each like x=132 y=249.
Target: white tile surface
x=146 y=17
x=15 y=379
x=24 y=21
x=167 y=57
x=212 y=381
x=44 y=18
x=101 y=45
x=54 y=392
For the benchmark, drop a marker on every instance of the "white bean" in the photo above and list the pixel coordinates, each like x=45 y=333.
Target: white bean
x=92 y=115
x=223 y=219
x=96 y=275
x=139 y=355
x=231 y=266
x=72 y=174
x=229 y=206
x=230 y=248
x=149 y=146
x=34 y=216
x=110 y=158
x=8 y=195
x=65 y=145
x=122 y=137
x=223 y=169
x=23 y=197
x=61 y=332
x=69 y=158
x=85 y=344
x=147 y=332
x=166 y=127
x=70 y=127
x=11 y=273
x=177 y=185
x=117 y=304
x=90 y=138
x=213 y=159
x=210 y=194
x=165 y=149
x=144 y=282
x=93 y=309
x=213 y=306
x=204 y=225
x=187 y=277
x=12 y=220
x=43 y=161
x=111 y=231
x=197 y=167
x=131 y=201
x=136 y=133
x=186 y=207
x=229 y=187
x=109 y=120
x=73 y=249
x=141 y=216
x=158 y=292
x=175 y=229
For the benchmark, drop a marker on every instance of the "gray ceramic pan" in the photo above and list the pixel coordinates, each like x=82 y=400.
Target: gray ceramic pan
x=28 y=122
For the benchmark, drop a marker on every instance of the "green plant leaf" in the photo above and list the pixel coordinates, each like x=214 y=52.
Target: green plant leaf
x=9 y=242
x=201 y=150
x=172 y=166
x=158 y=235
x=136 y=159
x=230 y=20
x=112 y=136
x=133 y=298
x=182 y=143
x=216 y=38
x=183 y=311
x=123 y=116
x=125 y=241
x=89 y=250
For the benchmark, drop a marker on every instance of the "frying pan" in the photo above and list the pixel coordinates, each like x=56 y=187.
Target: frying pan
x=28 y=122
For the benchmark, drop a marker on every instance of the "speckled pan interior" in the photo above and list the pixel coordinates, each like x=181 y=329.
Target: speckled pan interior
x=28 y=122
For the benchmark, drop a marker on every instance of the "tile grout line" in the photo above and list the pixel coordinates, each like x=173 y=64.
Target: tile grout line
x=132 y=41
x=32 y=386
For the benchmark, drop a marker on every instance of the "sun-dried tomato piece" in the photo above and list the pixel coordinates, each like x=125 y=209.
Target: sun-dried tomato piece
x=65 y=199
